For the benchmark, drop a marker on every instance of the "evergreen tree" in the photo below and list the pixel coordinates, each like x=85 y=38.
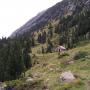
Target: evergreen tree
x=43 y=50
x=39 y=38
x=33 y=41
x=49 y=46
x=43 y=39
x=50 y=31
x=27 y=58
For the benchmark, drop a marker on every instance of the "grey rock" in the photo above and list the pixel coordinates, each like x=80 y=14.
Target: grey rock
x=67 y=76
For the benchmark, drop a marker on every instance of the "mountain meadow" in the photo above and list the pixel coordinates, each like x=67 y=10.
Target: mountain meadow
x=50 y=52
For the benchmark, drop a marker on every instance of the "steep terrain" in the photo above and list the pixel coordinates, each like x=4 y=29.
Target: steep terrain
x=66 y=7
x=67 y=24
x=46 y=73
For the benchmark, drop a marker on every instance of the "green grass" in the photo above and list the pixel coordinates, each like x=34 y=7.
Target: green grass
x=50 y=67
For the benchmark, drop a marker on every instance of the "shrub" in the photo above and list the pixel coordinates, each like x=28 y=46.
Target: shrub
x=14 y=83
x=80 y=55
x=64 y=63
x=68 y=86
x=63 y=55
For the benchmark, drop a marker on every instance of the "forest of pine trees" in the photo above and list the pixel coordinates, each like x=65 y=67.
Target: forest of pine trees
x=14 y=57
x=74 y=28
x=70 y=29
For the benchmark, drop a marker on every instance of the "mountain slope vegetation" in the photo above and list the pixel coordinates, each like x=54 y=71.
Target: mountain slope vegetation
x=66 y=7
x=29 y=58
x=46 y=73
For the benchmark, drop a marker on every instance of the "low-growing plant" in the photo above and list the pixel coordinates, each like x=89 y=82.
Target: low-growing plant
x=67 y=86
x=63 y=55
x=14 y=83
x=80 y=55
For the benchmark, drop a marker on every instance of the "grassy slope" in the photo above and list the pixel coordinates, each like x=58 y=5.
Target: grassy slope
x=50 y=68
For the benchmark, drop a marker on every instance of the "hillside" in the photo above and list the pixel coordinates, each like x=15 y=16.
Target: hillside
x=51 y=51
x=66 y=7
x=49 y=68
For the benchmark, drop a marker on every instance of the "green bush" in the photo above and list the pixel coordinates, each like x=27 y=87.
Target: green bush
x=80 y=55
x=63 y=55
x=68 y=86
x=14 y=83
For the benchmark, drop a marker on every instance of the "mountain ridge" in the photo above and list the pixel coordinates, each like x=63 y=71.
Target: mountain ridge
x=54 y=12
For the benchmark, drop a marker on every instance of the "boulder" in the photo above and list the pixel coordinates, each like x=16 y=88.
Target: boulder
x=71 y=62
x=67 y=76
x=29 y=79
x=37 y=75
x=51 y=69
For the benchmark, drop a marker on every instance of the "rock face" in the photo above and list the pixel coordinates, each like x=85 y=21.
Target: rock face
x=65 y=7
x=67 y=76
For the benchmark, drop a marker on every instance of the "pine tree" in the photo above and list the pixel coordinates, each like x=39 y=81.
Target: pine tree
x=49 y=46
x=43 y=40
x=27 y=58
x=33 y=41
x=43 y=50
x=50 y=31
x=39 y=38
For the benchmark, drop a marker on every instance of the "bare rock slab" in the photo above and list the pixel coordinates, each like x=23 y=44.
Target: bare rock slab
x=67 y=76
